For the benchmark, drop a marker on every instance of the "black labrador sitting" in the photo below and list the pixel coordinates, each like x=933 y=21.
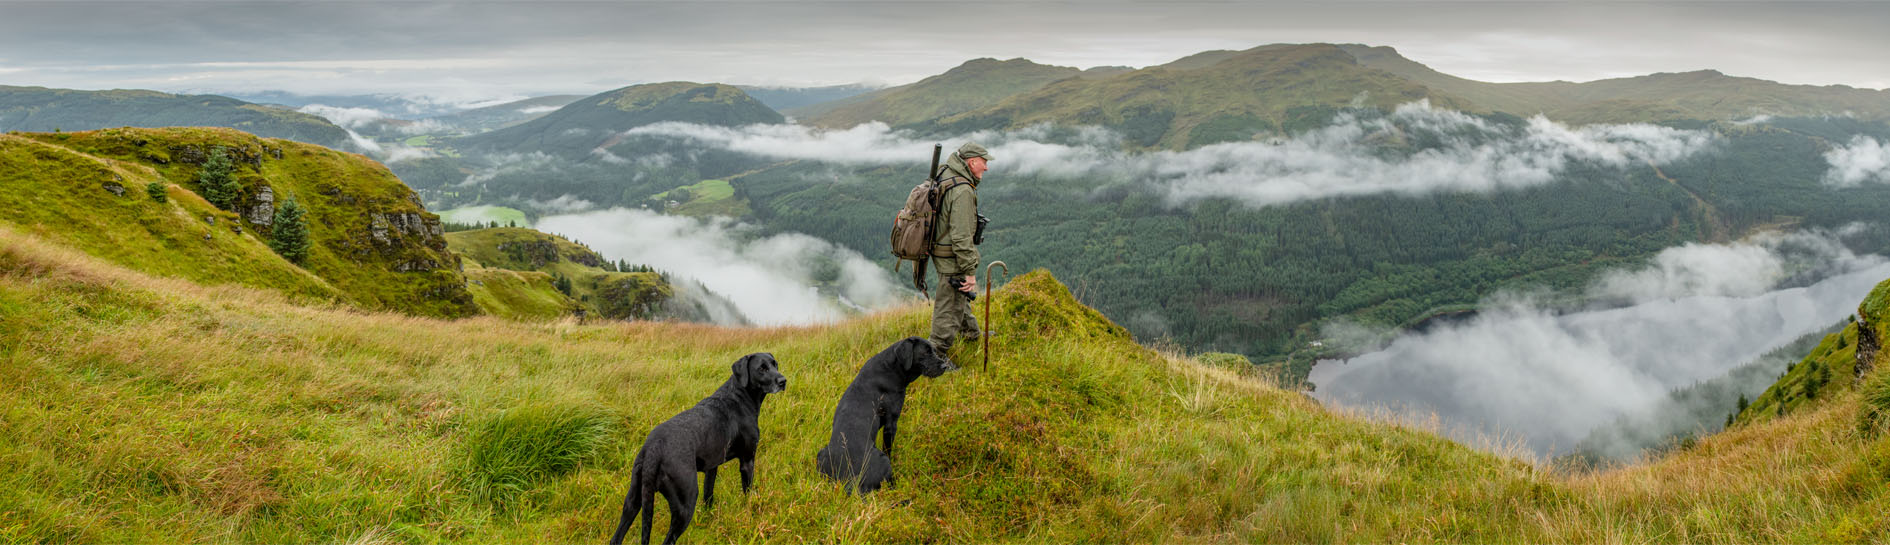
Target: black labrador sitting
x=872 y=404
x=719 y=428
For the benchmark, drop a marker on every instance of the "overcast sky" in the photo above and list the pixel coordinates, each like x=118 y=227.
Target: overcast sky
x=482 y=50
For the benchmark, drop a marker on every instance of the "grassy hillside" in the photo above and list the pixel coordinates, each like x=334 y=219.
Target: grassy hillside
x=43 y=110
x=142 y=409
x=1704 y=94
x=975 y=84
x=514 y=270
x=1210 y=97
x=372 y=244
x=488 y=118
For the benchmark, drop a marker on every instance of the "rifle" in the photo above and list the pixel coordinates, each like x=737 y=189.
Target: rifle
x=918 y=272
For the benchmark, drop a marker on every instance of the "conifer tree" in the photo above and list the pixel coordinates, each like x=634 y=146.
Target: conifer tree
x=156 y=191
x=219 y=186
x=290 y=235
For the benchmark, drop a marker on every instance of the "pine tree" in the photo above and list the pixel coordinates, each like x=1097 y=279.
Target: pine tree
x=219 y=187
x=290 y=235
x=562 y=283
x=156 y=191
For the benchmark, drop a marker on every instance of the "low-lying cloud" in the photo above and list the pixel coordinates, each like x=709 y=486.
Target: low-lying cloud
x=775 y=280
x=1356 y=154
x=1549 y=376
x=1864 y=159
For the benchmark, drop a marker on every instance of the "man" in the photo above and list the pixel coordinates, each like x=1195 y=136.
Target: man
x=954 y=252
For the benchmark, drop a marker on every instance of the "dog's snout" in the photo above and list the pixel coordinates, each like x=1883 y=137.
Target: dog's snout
x=781 y=382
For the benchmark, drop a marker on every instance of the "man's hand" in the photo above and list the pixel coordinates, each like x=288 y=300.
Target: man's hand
x=970 y=284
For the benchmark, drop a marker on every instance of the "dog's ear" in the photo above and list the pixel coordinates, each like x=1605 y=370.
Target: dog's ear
x=743 y=377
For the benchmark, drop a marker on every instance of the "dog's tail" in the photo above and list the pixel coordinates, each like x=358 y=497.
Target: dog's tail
x=634 y=501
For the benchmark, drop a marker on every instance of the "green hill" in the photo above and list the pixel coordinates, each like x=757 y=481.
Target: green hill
x=1704 y=94
x=512 y=269
x=373 y=245
x=44 y=110
x=145 y=409
x=595 y=121
x=1207 y=98
x=975 y=84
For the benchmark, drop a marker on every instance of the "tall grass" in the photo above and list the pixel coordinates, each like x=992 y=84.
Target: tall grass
x=144 y=409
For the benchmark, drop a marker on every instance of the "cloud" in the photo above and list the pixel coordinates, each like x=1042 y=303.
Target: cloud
x=776 y=280
x=1551 y=375
x=564 y=204
x=1865 y=159
x=1415 y=149
x=537 y=109
x=353 y=118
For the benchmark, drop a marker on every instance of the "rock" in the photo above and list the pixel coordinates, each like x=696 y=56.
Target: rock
x=206 y=236
x=264 y=213
x=189 y=154
x=236 y=228
x=115 y=188
x=210 y=219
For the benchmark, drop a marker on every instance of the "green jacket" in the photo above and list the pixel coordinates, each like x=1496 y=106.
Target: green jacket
x=952 y=250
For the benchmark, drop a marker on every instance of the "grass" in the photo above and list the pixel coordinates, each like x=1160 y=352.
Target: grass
x=348 y=197
x=479 y=215
x=708 y=198
x=137 y=408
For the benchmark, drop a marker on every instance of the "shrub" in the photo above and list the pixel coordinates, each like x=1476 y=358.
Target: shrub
x=219 y=186
x=289 y=237
x=156 y=191
x=514 y=450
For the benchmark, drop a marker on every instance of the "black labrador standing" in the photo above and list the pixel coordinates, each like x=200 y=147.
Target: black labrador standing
x=719 y=428
x=871 y=404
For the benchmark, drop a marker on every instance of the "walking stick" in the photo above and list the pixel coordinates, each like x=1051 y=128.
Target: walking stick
x=987 y=308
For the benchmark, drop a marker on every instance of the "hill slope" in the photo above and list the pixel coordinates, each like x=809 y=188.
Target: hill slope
x=373 y=244
x=1704 y=94
x=594 y=121
x=41 y=109
x=1210 y=97
x=975 y=84
x=144 y=409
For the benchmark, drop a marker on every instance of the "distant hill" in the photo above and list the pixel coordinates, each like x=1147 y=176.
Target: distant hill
x=45 y=110
x=373 y=245
x=782 y=98
x=489 y=118
x=595 y=121
x=1699 y=95
x=975 y=84
x=1208 y=97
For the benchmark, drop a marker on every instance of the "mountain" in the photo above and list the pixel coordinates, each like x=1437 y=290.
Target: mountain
x=1703 y=94
x=595 y=121
x=373 y=245
x=972 y=85
x=1206 y=98
x=500 y=116
x=782 y=98
x=392 y=105
x=148 y=409
x=42 y=109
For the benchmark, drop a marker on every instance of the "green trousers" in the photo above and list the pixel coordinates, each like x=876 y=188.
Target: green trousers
x=951 y=315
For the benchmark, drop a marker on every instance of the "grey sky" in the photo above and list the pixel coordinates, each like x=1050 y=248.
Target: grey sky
x=481 y=50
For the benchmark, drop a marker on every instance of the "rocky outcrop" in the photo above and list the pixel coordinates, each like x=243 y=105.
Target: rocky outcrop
x=385 y=228
x=264 y=211
x=1867 y=345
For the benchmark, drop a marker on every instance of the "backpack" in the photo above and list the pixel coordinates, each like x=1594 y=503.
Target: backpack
x=912 y=229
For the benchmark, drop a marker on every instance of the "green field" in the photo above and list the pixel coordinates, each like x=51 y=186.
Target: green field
x=482 y=214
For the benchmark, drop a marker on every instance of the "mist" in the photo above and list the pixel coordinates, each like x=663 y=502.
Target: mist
x=1526 y=370
x=783 y=279
x=1413 y=150
x=1864 y=159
